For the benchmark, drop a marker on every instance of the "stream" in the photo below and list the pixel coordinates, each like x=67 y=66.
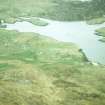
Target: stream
x=78 y=32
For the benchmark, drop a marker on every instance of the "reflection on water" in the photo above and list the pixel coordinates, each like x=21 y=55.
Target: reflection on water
x=77 y=32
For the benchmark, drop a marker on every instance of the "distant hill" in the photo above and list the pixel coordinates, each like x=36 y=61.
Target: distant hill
x=53 y=9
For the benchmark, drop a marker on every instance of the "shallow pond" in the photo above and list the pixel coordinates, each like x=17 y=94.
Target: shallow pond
x=77 y=32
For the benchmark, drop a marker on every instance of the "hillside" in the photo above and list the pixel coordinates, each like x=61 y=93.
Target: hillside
x=66 y=10
x=40 y=71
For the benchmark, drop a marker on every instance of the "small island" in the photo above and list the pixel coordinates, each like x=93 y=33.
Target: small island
x=2 y=24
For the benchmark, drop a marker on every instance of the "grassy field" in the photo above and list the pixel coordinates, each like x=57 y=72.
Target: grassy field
x=37 y=70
